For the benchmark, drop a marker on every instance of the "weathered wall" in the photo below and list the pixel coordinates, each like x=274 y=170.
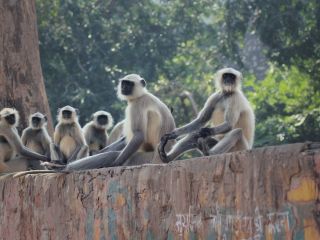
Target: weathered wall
x=267 y=193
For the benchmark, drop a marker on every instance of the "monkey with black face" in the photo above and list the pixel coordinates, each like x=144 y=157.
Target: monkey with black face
x=229 y=112
x=146 y=120
x=145 y=113
x=95 y=132
x=69 y=143
x=13 y=155
x=36 y=137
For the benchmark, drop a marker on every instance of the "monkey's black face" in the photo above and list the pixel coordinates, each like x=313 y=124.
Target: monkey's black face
x=11 y=119
x=66 y=114
x=36 y=121
x=127 y=87
x=102 y=119
x=229 y=78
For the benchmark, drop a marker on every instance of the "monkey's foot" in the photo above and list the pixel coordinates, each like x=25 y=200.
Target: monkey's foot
x=203 y=147
x=205 y=144
x=53 y=166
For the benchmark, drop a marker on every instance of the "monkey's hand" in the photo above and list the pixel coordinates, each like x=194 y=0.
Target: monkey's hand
x=206 y=132
x=169 y=136
x=203 y=147
x=53 y=165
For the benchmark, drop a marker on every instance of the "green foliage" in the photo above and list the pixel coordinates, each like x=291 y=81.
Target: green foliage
x=287 y=101
x=87 y=45
x=287 y=109
x=290 y=29
x=191 y=69
x=178 y=45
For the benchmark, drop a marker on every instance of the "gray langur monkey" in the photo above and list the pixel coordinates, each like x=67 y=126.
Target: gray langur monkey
x=146 y=120
x=95 y=131
x=69 y=143
x=9 y=118
x=146 y=117
x=231 y=115
x=13 y=154
x=36 y=137
x=116 y=133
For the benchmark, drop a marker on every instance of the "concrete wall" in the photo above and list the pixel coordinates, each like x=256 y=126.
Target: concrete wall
x=267 y=193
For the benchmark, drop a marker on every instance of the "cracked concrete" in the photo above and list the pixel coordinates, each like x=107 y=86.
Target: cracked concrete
x=266 y=193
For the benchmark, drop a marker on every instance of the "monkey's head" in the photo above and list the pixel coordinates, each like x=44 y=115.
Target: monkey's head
x=37 y=120
x=9 y=117
x=102 y=120
x=228 y=80
x=131 y=86
x=68 y=114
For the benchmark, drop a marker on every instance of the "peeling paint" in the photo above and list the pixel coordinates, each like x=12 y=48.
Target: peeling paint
x=303 y=189
x=89 y=224
x=310 y=230
x=112 y=224
x=177 y=201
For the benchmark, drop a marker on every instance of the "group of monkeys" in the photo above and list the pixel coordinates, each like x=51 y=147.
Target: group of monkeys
x=148 y=127
x=70 y=141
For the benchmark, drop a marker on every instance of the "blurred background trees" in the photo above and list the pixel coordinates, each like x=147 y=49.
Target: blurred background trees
x=21 y=81
x=178 y=45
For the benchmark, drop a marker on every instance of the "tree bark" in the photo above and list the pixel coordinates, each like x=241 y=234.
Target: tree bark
x=21 y=80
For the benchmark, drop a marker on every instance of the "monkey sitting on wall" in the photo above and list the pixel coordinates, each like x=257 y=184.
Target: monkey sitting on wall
x=95 y=132
x=36 y=137
x=9 y=118
x=69 y=142
x=146 y=120
x=13 y=155
x=229 y=112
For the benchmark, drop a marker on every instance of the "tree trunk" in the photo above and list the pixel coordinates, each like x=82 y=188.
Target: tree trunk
x=21 y=80
x=265 y=193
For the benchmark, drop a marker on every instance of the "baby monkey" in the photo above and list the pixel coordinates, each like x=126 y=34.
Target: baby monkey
x=36 y=138
x=95 y=132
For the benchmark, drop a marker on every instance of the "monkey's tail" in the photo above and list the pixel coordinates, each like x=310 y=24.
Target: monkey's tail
x=5 y=175
x=20 y=174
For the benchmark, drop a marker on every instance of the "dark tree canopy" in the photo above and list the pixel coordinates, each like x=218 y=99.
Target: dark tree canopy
x=179 y=45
